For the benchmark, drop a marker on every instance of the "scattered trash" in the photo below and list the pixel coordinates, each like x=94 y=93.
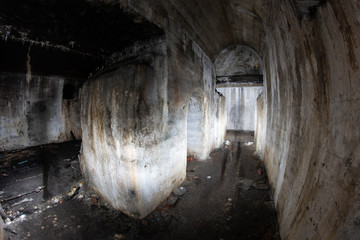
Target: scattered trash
x=259 y=183
x=7 y=221
x=249 y=143
x=245 y=183
x=179 y=191
x=24 y=179
x=22 y=217
x=172 y=200
x=227 y=143
x=75 y=190
x=94 y=199
x=10 y=231
x=1 y=192
x=259 y=171
x=38 y=189
x=192 y=180
x=22 y=201
x=208 y=177
x=191 y=158
x=260 y=186
x=119 y=236
x=230 y=199
x=56 y=199
x=22 y=162
x=72 y=191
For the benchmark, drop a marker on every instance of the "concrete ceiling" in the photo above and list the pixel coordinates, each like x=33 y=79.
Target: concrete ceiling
x=89 y=27
x=102 y=27
x=218 y=24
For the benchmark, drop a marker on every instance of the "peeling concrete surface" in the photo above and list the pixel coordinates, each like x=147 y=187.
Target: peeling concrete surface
x=36 y=113
x=125 y=134
x=134 y=149
x=311 y=148
x=260 y=131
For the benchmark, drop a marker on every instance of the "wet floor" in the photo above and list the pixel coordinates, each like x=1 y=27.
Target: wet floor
x=225 y=197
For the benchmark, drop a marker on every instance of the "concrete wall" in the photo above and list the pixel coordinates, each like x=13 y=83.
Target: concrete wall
x=134 y=118
x=195 y=126
x=260 y=130
x=241 y=107
x=312 y=151
x=33 y=111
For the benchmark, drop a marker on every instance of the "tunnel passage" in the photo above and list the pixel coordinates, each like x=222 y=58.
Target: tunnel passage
x=239 y=78
x=310 y=50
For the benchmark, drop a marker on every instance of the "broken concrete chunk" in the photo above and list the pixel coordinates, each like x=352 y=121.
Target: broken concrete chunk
x=260 y=186
x=178 y=192
x=245 y=183
x=172 y=201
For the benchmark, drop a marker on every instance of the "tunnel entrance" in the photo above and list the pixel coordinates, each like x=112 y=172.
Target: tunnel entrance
x=239 y=78
x=195 y=118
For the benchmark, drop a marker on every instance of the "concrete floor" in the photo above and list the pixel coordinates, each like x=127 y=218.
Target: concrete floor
x=212 y=203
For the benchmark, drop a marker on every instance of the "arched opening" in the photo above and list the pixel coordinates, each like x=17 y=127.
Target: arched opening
x=239 y=78
x=195 y=126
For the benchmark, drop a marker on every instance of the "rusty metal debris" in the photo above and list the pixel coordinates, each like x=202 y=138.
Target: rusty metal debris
x=38 y=189
x=10 y=231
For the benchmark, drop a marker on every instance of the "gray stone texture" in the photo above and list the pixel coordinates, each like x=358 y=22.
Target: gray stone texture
x=311 y=149
x=33 y=111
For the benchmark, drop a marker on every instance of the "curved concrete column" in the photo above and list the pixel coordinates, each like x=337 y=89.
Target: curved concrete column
x=128 y=156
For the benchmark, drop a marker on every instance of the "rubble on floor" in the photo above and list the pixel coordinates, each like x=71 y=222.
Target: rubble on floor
x=225 y=197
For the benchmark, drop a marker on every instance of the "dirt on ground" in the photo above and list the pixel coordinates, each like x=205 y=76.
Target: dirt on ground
x=43 y=196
